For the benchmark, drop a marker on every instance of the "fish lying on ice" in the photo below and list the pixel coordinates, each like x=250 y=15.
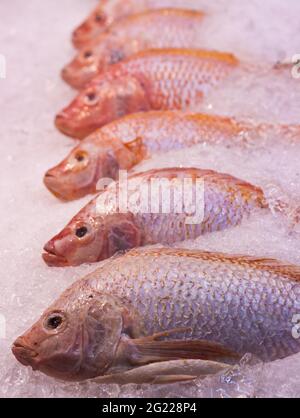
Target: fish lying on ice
x=165 y=79
x=109 y=11
x=123 y=143
x=159 y=206
x=164 y=28
x=110 y=322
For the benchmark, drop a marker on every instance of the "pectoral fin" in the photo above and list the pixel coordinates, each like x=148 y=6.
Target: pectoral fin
x=151 y=349
x=138 y=148
x=166 y=372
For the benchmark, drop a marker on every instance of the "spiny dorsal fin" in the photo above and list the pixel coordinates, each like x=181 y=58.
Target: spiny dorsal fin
x=222 y=57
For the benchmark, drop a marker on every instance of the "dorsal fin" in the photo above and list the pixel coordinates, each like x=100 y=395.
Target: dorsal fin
x=225 y=57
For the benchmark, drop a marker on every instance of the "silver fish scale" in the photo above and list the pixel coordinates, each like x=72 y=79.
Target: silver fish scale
x=165 y=131
x=244 y=307
x=224 y=206
x=226 y=203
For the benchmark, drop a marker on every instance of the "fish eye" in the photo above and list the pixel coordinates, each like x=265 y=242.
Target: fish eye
x=100 y=17
x=91 y=98
x=88 y=54
x=84 y=232
x=81 y=232
x=54 y=321
x=80 y=156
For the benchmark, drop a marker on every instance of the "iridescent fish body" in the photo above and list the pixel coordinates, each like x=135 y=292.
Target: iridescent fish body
x=158 y=206
x=109 y=11
x=125 y=142
x=164 y=28
x=205 y=305
x=166 y=79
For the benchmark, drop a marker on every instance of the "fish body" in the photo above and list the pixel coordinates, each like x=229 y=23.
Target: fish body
x=113 y=319
x=110 y=11
x=164 y=28
x=165 y=79
x=159 y=206
x=123 y=143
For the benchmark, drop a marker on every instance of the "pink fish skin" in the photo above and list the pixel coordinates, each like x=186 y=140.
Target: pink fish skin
x=165 y=79
x=164 y=28
x=103 y=228
x=109 y=11
x=123 y=143
x=205 y=305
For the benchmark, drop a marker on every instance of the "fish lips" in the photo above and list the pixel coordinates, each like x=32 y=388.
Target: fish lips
x=74 y=78
x=56 y=185
x=67 y=125
x=24 y=354
x=51 y=258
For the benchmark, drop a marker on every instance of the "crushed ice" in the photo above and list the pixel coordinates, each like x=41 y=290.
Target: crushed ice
x=36 y=45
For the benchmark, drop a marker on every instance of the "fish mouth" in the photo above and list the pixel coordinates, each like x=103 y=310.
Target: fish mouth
x=52 y=183
x=82 y=36
x=52 y=259
x=59 y=190
x=24 y=354
x=65 y=124
x=73 y=77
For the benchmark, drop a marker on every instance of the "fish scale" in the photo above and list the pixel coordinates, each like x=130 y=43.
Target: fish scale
x=225 y=204
x=124 y=143
x=153 y=29
x=243 y=303
x=162 y=79
x=208 y=202
x=110 y=11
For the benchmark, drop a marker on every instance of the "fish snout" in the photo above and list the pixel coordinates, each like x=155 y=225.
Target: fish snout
x=80 y=36
x=50 y=176
x=61 y=119
x=68 y=123
x=63 y=123
x=54 y=183
x=51 y=256
x=66 y=74
x=24 y=353
x=73 y=76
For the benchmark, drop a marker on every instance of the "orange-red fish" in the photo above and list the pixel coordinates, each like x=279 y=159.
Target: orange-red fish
x=128 y=312
x=166 y=79
x=159 y=206
x=123 y=143
x=109 y=11
x=164 y=28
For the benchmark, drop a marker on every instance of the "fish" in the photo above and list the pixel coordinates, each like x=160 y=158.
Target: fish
x=164 y=79
x=125 y=142
x=163 y=28
x=162 y=206
x=157 y=305
x=109 y=11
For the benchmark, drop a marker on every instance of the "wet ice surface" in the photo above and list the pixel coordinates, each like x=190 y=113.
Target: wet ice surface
x=252 y=29
x=36 y=49
x=271 y=95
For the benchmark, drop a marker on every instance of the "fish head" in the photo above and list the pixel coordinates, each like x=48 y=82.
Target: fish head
x=76 y=175
x=98 y=157
x=79 y=72
x=95 y=24
x=104 y=15
x=76 y=338
x=92 y=237
x=107 y=98
x=93 y=60
x=81 y=241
